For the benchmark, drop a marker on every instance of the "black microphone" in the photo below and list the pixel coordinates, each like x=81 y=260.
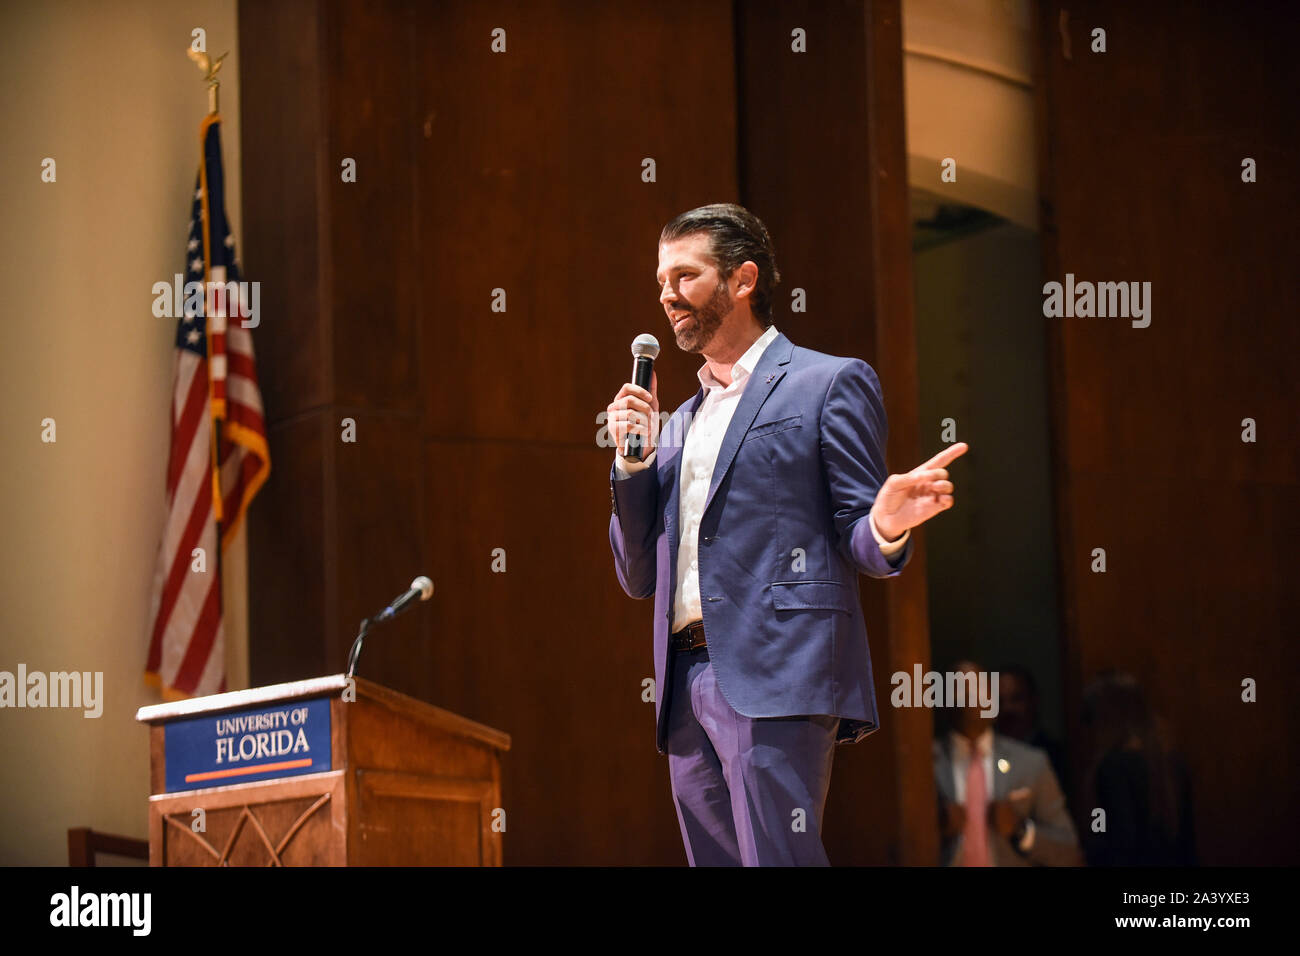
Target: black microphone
x=421 y=589
x=645 y=349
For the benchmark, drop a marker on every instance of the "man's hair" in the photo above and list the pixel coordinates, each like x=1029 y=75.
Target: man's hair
x=736 y=235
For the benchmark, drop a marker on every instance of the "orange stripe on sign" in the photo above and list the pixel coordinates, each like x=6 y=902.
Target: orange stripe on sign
x=242 y=771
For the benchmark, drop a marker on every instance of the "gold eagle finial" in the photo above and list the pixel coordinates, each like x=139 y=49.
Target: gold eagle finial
x=210 y=68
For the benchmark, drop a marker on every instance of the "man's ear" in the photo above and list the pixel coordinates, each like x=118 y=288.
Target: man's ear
x=747 y=273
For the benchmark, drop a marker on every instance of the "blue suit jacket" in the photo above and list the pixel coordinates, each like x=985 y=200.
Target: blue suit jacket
x=799 y=468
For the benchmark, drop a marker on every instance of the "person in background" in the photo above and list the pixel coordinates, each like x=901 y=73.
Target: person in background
x=1018 y=717
x=999 y=801
x=1141 y=784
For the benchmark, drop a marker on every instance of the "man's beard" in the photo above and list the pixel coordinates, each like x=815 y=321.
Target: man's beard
x=696 y=336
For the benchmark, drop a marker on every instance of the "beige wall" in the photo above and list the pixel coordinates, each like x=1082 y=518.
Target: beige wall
x=106 y=91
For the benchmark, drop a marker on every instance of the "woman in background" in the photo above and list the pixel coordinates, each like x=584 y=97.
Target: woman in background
x=1142 y=785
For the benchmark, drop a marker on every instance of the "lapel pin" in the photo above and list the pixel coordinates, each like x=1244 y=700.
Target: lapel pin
x=769 y=379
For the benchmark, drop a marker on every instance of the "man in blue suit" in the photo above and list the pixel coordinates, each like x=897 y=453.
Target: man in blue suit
x=749 y=518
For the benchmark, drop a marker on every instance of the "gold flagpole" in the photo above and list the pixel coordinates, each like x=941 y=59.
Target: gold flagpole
x=210 y=68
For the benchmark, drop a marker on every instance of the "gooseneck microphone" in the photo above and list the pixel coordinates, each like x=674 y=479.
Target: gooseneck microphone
x=645 y=349
x=421 y=589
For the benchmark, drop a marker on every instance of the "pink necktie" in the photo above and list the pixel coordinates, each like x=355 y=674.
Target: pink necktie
x=975 y=838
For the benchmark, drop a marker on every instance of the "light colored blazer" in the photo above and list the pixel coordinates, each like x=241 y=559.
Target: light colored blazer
x=1026 y=767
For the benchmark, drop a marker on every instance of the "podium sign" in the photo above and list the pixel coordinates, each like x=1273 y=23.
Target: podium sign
x=246 y=745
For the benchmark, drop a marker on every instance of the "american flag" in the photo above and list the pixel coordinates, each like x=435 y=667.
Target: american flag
x=218 y=457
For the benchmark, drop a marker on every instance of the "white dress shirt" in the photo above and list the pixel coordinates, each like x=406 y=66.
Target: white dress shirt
x=699 y=454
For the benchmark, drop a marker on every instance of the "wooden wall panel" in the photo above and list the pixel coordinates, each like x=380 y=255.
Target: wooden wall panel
x=373 y=287
x=1142 y=149
x=285 y=150
x=291 y=522
x=289 y=548
x=530 y=182
x=380 y=547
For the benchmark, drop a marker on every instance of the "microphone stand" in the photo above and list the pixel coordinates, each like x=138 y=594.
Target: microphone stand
x=354 y=655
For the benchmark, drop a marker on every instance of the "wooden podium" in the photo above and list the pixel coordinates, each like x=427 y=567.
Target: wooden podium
x=321 y=773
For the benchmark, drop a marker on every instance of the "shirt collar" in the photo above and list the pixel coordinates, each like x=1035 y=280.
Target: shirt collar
x=983 y=743
x=744 y=366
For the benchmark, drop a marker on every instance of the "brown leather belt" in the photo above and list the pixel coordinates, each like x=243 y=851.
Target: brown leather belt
x=689 y=638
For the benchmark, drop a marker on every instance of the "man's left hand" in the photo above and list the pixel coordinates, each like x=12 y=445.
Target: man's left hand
x=905 y=501
x=1003 y=816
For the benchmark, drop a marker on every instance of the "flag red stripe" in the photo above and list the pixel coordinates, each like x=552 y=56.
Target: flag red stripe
x=205 y=636
x=241 y=363
x=183 y=433
x=180 y=562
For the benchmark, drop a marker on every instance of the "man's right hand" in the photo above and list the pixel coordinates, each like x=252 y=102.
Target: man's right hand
x=635 y=411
